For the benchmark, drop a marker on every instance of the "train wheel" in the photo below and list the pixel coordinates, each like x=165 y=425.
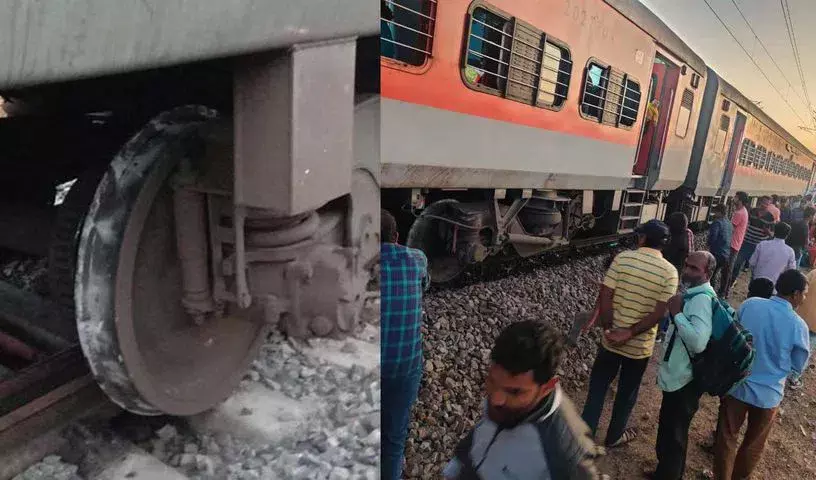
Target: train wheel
x=425 y=235
x=144 y=350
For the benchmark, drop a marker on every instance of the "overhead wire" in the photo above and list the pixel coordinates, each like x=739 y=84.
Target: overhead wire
x=750 y=57
x=797 y=58
x=762 y=44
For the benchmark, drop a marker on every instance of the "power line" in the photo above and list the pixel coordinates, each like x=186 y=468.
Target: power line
x=795 y=47
x=756 y=36
x=755 y=63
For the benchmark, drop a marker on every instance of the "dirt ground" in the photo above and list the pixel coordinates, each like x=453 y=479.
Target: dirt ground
x=789 y=454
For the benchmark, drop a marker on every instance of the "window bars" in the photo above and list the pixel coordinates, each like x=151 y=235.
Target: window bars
x=516 y=60
x=610 y=96
x=743 y=156
x=631 y=103
x=406 y=30
x=761 y=160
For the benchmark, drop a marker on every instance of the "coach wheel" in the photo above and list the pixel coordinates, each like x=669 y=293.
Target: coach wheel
x=426 y=235
x=143 y=348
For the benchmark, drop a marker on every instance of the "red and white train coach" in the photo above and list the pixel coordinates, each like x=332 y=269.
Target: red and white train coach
x=536 y=124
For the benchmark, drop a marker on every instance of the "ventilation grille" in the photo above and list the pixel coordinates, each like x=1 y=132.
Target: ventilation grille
x=688 y=99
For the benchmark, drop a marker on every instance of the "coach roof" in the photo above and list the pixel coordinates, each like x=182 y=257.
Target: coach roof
x=730 y=92
x=650 y=23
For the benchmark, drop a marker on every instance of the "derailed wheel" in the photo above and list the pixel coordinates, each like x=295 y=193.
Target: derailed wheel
x=428 y=234
x=143 y=348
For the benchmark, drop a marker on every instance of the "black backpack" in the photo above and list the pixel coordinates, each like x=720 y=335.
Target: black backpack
x=727 y=359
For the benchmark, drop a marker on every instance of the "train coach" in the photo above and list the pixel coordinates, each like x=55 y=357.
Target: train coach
x=520 y=127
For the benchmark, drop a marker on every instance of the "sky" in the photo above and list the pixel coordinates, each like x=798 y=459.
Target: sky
x=694 y=22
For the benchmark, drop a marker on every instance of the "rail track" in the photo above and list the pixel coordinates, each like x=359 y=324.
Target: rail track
x=45 y=381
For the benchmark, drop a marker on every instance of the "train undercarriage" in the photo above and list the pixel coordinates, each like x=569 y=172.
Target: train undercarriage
x=205 y=205
x=460 y=228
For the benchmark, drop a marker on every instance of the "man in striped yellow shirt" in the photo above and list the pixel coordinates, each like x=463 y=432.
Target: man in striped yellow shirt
x=633 y=300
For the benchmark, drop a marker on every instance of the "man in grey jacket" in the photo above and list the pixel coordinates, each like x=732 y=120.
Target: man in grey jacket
x=531 y=430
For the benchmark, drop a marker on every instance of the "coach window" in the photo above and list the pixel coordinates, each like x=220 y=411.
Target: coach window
x=488 y=51
x=509 y=57
x=631 y=102
x=555 y=72
x=406 y=30
x=762 y=158
x=592 y=101
x=752 y=154
x=609 y=96
x=722 y=134
x=743 y=156
x=684 y=114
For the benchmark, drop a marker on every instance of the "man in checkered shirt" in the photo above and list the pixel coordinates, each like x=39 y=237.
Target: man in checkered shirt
x=403 y=279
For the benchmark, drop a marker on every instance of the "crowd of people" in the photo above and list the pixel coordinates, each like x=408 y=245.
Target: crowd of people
x=662 y=295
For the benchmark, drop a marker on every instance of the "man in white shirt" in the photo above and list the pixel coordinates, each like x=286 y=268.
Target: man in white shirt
x=772 y=257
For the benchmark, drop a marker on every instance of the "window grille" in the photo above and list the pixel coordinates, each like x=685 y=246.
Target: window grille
x=743 y=155
x=761 y=158
x=406 y=30
x=555 y=73
x=488 y=50
x=609 y=96
x=774 y=163
x=595 y=82
x=631 y=103
x=750 y=155
x=512 y=58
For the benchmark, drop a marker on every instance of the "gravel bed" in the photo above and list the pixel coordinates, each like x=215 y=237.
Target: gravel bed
x=461 y=324
x=25 y=272
x=342 y=442
x=50 y=468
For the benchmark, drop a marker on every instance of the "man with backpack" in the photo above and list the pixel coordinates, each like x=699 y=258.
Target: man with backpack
x=688 y=335
x=781 y=341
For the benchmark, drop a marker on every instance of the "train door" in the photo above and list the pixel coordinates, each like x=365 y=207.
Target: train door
x=733 y=153
x=658 y=111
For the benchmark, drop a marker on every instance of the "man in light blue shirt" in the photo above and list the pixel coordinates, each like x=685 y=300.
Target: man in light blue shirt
x=689 y=332
x=782 y=346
